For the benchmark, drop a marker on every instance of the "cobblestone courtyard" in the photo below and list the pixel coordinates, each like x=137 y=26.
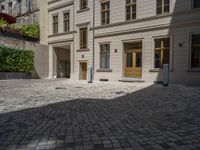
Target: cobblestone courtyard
x=71 y=115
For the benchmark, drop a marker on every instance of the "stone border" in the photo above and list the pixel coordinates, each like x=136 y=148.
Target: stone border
x=14 y=75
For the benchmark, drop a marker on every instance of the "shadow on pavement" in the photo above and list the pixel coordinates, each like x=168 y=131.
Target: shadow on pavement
x=153 y=118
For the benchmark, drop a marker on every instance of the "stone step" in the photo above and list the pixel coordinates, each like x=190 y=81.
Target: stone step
x=131 y=80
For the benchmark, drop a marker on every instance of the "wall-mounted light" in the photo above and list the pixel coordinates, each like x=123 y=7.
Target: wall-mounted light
x=180 y=44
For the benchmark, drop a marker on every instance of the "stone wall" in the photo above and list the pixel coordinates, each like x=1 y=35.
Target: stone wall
x=12 y=42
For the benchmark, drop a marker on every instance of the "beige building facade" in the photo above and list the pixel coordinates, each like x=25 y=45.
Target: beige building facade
x=124 y=40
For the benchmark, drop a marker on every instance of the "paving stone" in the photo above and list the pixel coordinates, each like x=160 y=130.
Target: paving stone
x=73 y=115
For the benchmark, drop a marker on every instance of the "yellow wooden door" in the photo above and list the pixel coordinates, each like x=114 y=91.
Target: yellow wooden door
x=83 y=71
x=133 y=67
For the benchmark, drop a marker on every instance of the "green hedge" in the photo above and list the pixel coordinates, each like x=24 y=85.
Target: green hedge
x=16 y=60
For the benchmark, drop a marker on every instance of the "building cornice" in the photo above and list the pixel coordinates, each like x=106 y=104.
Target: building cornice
x=60 y=6
x=61 y=41
x=146 y=29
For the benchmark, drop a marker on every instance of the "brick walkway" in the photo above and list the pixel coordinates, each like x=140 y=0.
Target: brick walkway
x=150 y=118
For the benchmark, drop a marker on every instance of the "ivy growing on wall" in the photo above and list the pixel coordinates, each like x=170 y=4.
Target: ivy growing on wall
x=16 y=60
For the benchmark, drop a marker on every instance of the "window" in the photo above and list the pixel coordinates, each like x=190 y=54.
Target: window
x=83 y=4
x=55 y=24
x=10 y=4
x=130 y=9
x=163 y=6
x=29 y=5
x=105 y=13
x=105 y=56
x=2 y=8
x=19 y=6
x=196 y=3
x=195 y=51
x=161 y=52
x=66 y=21
x=83 y=38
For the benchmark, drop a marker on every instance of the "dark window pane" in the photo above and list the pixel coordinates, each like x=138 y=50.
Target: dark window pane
x=134 y=12
x=166 y=2
x=55 y=24
x=195 y=60
x=165 y=57
x=138 y=59
x=83 y=38
x=128 y=1
x=158 y=43
x=166 y=9
x=83 y=4
x=166 y=42
x=159 y=3
x=157 y=59
x=129 y=59
x=196 y=3
x=159 y=10
x=128 y=15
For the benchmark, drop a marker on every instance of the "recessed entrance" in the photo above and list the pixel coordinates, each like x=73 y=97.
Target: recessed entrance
x=133 y=60
x=63 y=62
x=83 y=70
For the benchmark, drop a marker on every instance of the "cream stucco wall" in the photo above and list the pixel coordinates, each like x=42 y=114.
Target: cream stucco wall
x=179 y=24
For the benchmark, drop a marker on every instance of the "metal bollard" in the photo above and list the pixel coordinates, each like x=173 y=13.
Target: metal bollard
x=165 y=74
x=89 y=75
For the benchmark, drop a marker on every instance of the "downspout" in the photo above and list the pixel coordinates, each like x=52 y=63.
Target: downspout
x=93 y=54
x=73 y=34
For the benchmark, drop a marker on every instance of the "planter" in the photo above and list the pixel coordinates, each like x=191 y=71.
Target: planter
x=16 y=34
x=14 y=75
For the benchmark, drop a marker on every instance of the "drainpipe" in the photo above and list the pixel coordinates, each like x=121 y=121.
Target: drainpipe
x=73 y=35
x=93 y=54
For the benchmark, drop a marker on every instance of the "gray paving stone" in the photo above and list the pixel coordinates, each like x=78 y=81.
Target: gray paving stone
x=36 y=114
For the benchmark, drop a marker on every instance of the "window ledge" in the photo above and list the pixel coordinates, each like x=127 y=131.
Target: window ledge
x=165 y=14
x=130 y=20
x=104 y=70
x=159 y=70
x=82 y=50
x=83 y=10
x=193 y=70
x=105 y=25
x=60 y=34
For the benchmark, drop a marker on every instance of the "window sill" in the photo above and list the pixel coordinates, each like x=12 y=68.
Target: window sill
x=131 y=20
x=83 y=10
x=193 y=70
x=159 y=70
x=165 y=14
x=105 y=25
x=82 y=50
x=104 y=70
x=60 y=34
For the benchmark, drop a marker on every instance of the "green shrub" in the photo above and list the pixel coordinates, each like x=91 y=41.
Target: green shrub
x=16 y=60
